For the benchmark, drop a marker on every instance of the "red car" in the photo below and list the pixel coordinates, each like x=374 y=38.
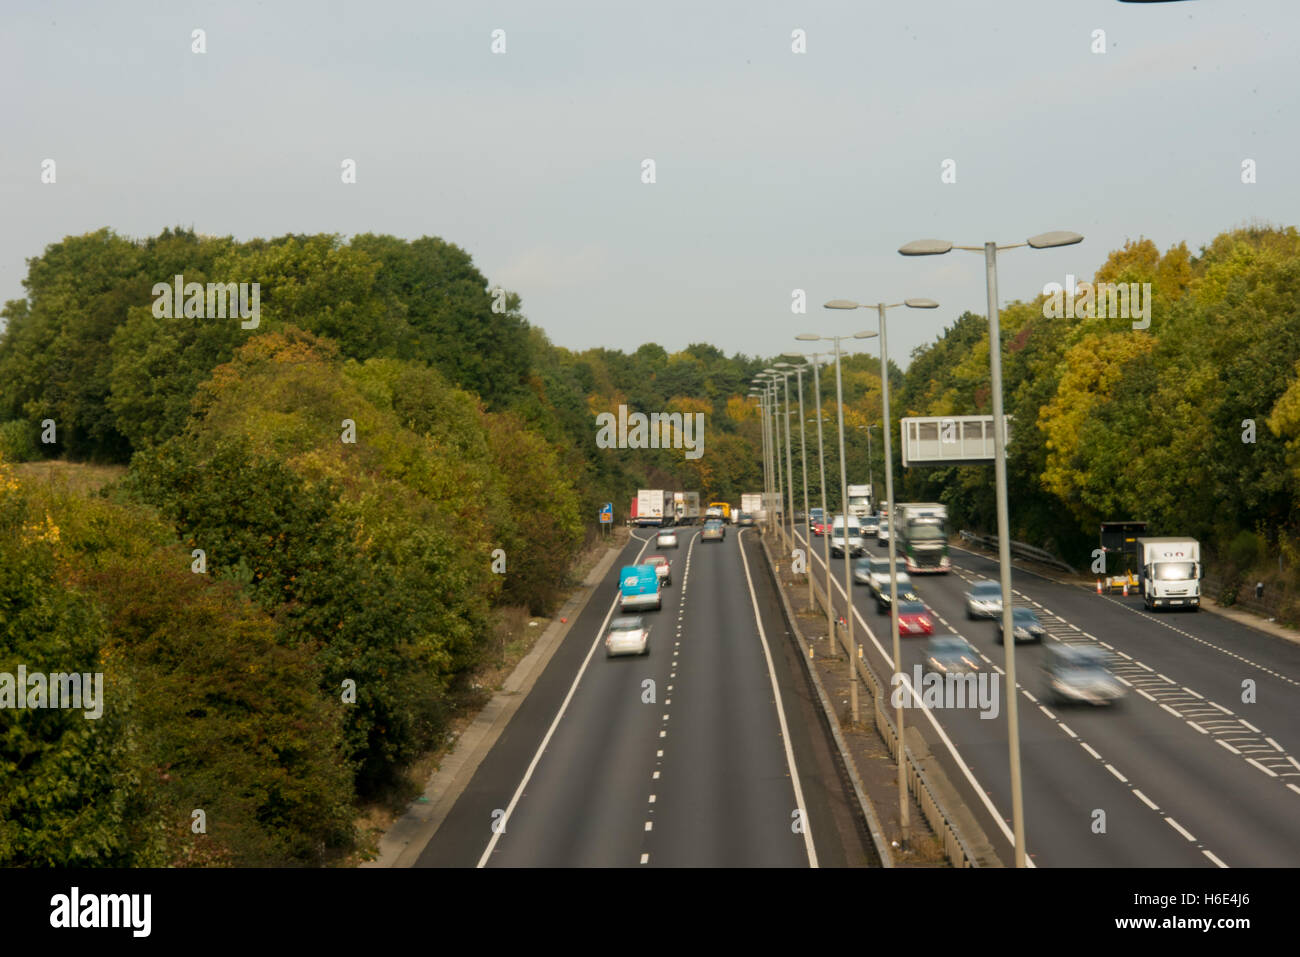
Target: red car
x=819 y=529
x=914 y=619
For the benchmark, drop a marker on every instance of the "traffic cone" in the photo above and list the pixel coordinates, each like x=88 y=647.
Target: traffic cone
x=1098 y=586
x=1126 y=588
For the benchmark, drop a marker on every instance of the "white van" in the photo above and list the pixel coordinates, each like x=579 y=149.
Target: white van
x=854 y=542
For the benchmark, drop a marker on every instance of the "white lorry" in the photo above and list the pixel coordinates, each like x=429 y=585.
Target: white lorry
x=650 y=507
x=860 y=505
x=1170 y=572
x=686 y=507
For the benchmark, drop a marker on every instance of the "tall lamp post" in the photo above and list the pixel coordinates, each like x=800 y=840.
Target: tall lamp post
x=937 y=247
x=784 y=370
x=770 y=378
x=852 y=648
x=803 y=459
x=821 y=458
x=904 y=807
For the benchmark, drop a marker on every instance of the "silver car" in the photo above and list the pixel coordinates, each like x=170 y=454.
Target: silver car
x=627 y=635
x=882 y=532
x=666 y=539
x=1078 y=673
x=713 y=532
x=984 y=600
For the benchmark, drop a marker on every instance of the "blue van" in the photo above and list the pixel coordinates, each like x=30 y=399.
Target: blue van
x=638 y=586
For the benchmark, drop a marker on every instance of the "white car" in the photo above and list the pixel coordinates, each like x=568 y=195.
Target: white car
x=628 y=635
x=882 y=532
x=666 y=539
x=984 y=600
x=838 y=540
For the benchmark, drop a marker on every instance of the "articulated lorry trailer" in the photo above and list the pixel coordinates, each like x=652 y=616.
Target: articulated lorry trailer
x=1170 y=572
x=686 y=507
x=922 y=536
x=654 y=507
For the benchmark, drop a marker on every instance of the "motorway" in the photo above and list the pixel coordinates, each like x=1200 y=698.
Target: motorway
x=707 y=752
x=1182 y=773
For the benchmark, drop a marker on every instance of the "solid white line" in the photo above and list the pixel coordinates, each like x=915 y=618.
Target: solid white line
x=780 y=709
x=550 y=732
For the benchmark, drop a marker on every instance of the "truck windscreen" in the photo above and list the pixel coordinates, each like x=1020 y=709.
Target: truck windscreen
x=1175 y=571
x=925 y=533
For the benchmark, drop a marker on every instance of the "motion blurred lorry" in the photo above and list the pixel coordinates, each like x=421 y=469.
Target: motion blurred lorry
x=922 y=536
x=1170 y=572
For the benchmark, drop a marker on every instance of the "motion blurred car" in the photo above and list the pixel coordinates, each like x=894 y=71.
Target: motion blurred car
x=984 y=600
x=745 y=519
x=862 y=571
x=951 y=654
x=819 y=529
x=878 y=574
x=881 y=590
x=1026 y=625
x=870 y=526
x=914 y=618
x=713 y=531
x=666 y=539
x=1078 y=673
x=882 y=531
x=712 y=513
x=628 y=635
x=846 y=536
x=663 y=568
x=815 y=517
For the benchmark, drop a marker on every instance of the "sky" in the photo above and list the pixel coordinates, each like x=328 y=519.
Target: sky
x=774 y=170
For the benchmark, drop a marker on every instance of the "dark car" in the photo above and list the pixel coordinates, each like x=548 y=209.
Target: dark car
x=1026 y=625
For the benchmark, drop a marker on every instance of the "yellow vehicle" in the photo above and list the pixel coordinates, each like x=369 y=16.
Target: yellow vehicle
x=724 y=507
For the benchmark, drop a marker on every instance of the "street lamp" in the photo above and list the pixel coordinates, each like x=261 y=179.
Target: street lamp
x=769 y=378
x=937 y=247
x=762 y=430
x=803 y=459
x=904 y=809
x=852 y=648
x=821 y=458
x=784 y=369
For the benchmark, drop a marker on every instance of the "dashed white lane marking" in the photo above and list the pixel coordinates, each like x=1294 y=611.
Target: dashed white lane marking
x=1066 y=729
x=645 y=858
x=1217 y=862
x=1146 y=800
x=1088 y=748
x=1267 y=770
x=1111 y=769
x=555 y=723
x=652 y=799
x=649 y=825
x=1228 y=746
x=1180 y=829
